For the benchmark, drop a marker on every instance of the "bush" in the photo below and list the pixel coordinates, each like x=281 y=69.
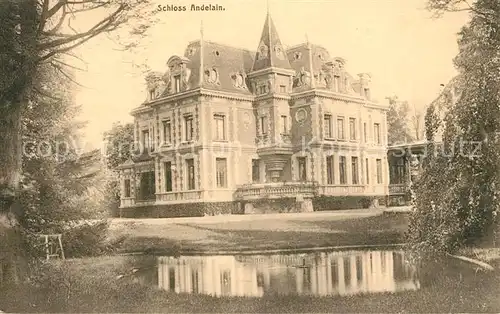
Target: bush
x=88 y=239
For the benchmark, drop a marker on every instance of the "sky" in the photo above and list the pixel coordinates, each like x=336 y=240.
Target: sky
x=407 y=52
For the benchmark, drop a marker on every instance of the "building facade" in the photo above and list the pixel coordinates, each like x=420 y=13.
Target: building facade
x=226 y=129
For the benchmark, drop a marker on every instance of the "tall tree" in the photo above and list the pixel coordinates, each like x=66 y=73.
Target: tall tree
x=119 y=148
x=417 y=123
x=34 y=33
x=120 y=144
x=398 y=121
x=465 y=212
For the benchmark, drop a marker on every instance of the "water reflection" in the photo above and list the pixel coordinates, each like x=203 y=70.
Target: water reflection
x=333 y=273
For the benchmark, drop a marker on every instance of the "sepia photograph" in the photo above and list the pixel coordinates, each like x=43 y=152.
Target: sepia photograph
x=249 y=156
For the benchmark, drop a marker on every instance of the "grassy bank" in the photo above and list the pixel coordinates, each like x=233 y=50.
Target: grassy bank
x=92 y=285
x=286 y=232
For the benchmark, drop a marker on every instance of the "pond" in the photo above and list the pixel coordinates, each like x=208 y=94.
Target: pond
x=319 y=273
x=344 y=281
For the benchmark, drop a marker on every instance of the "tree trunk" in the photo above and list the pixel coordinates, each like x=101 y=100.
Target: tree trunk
x=10 y=175
x=22 y=18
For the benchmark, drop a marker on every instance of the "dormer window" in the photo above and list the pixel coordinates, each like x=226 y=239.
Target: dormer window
x=212 y=76
x=366 y=92
x=297 y=55
x=177 y=83
x=262 y=89
x=152 y=94
x=238 y=80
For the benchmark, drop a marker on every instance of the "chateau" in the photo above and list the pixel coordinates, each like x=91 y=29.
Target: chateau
x=228 y=130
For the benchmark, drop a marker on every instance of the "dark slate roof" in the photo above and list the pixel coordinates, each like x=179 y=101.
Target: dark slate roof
x=271 y=39
x=228 y=61
x=225 y=59
x=299 y=57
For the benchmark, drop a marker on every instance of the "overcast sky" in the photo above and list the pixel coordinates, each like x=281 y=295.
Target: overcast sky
x=407 y=52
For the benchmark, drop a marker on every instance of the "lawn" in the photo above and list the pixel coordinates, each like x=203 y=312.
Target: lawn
x=260 y=233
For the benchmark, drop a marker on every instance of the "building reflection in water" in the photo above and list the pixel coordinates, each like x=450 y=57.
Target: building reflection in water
x=334 y=273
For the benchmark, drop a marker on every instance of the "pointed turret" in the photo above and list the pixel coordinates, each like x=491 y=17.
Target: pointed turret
x=270 y=52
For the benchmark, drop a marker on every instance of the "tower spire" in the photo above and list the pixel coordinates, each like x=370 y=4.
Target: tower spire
x=270 y=52
x=201 y=54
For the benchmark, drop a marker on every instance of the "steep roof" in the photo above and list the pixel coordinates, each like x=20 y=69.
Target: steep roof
x=226 y=60
x=270 y=52
x=299 y=57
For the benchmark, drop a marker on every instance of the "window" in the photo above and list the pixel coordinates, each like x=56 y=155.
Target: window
x=367 y=175
x=364 y=132
x=147 y=185
x=263 y=125
x=329 y=170
x=354 y=168
x=219 y=127
x=352 y=128
x=146 y=140
x=379 y=171
x=283 y=89
x=340 y=128
x=190 y=174
x=376 y=130
x=284 y=125
x=342 y=170
x=302 y=168
x=262 y=89
x=328 y=126
x=127 y=188
x=168 y=176
x=167 y=132
x=177 y=82
x=188 y=122
x=152 y=94
x=398 y=173
x=255 y=170
x=221 y=172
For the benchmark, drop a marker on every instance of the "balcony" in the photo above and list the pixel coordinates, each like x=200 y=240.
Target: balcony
x=398 y=189
x=276 y=190
x=179 y=196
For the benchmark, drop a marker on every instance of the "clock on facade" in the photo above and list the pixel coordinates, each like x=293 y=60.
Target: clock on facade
x=239 y=80
x=301 y=115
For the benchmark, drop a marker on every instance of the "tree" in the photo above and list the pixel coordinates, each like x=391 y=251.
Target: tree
x=120 y=144
x=465 y=211
x=63 y=188
x=119 y=148
x=397 y=121
x=33 y=34
x=417 y=120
